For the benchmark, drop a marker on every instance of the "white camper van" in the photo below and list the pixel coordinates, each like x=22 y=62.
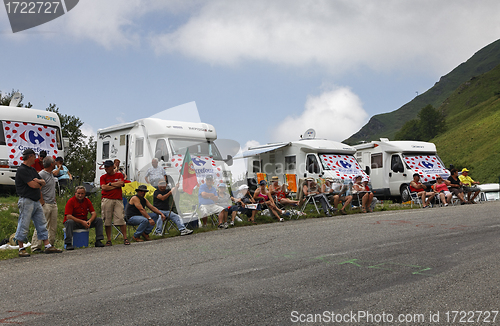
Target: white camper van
x=308 y=157
x=391 y=165
x=24 y=128
x=136 y=143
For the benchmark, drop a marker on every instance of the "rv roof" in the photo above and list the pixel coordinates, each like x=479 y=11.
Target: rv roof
x=399 y=146
x=14 y=113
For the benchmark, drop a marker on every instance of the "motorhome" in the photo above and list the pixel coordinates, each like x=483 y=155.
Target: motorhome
x=136 y=143
x=391 y=165
x=307 y=157
x=24 y=128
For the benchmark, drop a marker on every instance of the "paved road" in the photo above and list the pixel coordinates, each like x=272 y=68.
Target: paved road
x=418 y=263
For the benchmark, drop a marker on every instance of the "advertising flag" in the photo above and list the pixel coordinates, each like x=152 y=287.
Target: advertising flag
x=189 y=180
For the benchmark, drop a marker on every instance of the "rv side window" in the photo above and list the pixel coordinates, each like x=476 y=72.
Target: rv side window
x=377 y=161
x=312 y=164
x=105 y=150
x=161 y=151
x=139 y=147
x=290 y=163
x=256 y=166
x=2 y=136
x=396 y=164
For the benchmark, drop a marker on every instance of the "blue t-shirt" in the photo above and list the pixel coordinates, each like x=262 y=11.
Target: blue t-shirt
x=63 y=173
x=204 y=188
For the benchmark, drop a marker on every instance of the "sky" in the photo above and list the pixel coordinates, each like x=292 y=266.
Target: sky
x=259 y=71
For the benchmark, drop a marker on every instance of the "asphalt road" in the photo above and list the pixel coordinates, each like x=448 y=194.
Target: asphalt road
x=419 y=265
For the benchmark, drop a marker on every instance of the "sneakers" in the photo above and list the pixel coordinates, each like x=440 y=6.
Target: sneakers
x=69 y=247
x=445 y=204
x=52 y=250
x=98 y=243
x=231 y=223
x=282 y=219
x=186 y=232
x=222 y=226
x=23 y=253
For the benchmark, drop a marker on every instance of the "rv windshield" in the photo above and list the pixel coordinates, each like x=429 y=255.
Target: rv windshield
x=196 y=147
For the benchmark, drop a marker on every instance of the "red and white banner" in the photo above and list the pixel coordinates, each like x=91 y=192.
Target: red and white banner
x=203 y=165
x=428 y=166
x=21 y=135
x=345 y=167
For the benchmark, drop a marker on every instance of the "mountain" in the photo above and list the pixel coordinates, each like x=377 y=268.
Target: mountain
x=387 y=124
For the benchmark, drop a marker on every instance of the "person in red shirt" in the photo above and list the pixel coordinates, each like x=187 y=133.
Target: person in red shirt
x=419 y=188
x=112 y=202
x=76 y=217
x=39 y=161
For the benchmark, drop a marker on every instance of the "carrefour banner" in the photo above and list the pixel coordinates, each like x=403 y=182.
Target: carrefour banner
x=428 y=166
x=203 y=165
x=21 y=135
x=345 y=167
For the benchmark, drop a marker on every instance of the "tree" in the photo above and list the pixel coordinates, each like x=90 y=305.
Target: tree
x=80 y=156
x=5 y=99
x=429 y=124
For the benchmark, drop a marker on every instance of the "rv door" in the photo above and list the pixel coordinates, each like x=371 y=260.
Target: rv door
x=313 y=168
x=397 y=175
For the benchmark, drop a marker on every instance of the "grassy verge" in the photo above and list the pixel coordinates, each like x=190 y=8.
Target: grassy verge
x=9 y=215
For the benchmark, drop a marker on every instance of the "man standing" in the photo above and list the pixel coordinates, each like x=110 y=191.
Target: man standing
x=469 y=187
x=136 y=214
x=49 y=205
x=28 y=184
x=160 y=200
x=155 y=174
x=112 y=202
x=76 y=217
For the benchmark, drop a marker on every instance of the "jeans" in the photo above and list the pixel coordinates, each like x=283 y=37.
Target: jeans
x=324 y=202
x=30 y=210
x=71 y=225
x=143 y=224
x=174 y=217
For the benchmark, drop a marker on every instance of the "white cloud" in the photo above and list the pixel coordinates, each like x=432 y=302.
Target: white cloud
x=88 y=131
x=335 y=114
x=339 y=34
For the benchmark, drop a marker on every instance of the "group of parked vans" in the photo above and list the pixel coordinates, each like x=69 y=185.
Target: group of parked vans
x=389 y=165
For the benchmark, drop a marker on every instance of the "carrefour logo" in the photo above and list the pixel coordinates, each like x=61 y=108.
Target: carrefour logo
x=427 y=165
x=46 y=117
x=33 y=137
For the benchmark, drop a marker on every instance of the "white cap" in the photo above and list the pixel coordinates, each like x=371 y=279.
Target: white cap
x=242 y=187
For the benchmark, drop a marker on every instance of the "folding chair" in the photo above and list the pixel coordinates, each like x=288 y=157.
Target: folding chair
x=309 y=198
x=414 y=197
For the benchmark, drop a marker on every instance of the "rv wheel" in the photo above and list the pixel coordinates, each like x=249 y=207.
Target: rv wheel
x=405 y=196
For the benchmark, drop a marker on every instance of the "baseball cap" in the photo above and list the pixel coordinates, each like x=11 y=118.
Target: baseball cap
x=242 y=187
x=209 y=177
x=465 y=170
x=262 y=182
x=221 y=185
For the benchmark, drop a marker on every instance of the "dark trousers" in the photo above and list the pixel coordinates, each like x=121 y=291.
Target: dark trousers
x=71 y=225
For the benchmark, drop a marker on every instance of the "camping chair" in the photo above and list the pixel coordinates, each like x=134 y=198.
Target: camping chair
x=414 y=197
x=309 y=198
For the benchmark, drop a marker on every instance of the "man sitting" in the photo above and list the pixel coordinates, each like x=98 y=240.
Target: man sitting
x=419 y=188
x=469 y=187
x=135 y=214
x=160 y=200
x=76 y=217
x=207 y=197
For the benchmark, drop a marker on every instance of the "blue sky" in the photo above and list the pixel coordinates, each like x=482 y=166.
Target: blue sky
x=259 y=71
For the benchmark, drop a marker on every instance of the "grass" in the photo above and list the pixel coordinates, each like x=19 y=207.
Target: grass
x=9 y=214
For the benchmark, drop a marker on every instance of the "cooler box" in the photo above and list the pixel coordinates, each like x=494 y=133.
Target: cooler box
x=80 y=238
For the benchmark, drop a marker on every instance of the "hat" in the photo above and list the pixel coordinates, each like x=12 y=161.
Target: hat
x=28 y=151
x=329 y=179
x=365 y=179
x=108 y=163
x=464 y=170
x=243 y=187
x=275 y=178
x=309 y=179
x=262 y=182
x=142 y=188
x=209 y=177
x=162 y=183
x=221 y=185
x=358 y=176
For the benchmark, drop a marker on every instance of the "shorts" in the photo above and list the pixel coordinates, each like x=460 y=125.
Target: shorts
x=456 y=191
x=471 y=189
x=112 y=211
x=207 y=210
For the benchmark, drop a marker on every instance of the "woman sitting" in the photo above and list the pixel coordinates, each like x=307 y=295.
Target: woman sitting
x=364 y=193
x=455 y=185
x=441 y=188
x=263 y=197
x=242 y=201
x=280 y=193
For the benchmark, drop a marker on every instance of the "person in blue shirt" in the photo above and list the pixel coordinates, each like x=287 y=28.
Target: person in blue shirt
x=62 y=174
x=207 y=197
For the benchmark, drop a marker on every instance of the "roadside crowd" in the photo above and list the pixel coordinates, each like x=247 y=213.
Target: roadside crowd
x=37 y=201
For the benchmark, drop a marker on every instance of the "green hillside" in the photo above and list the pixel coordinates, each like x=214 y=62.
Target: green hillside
x=472 y=138
x=387 y=124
